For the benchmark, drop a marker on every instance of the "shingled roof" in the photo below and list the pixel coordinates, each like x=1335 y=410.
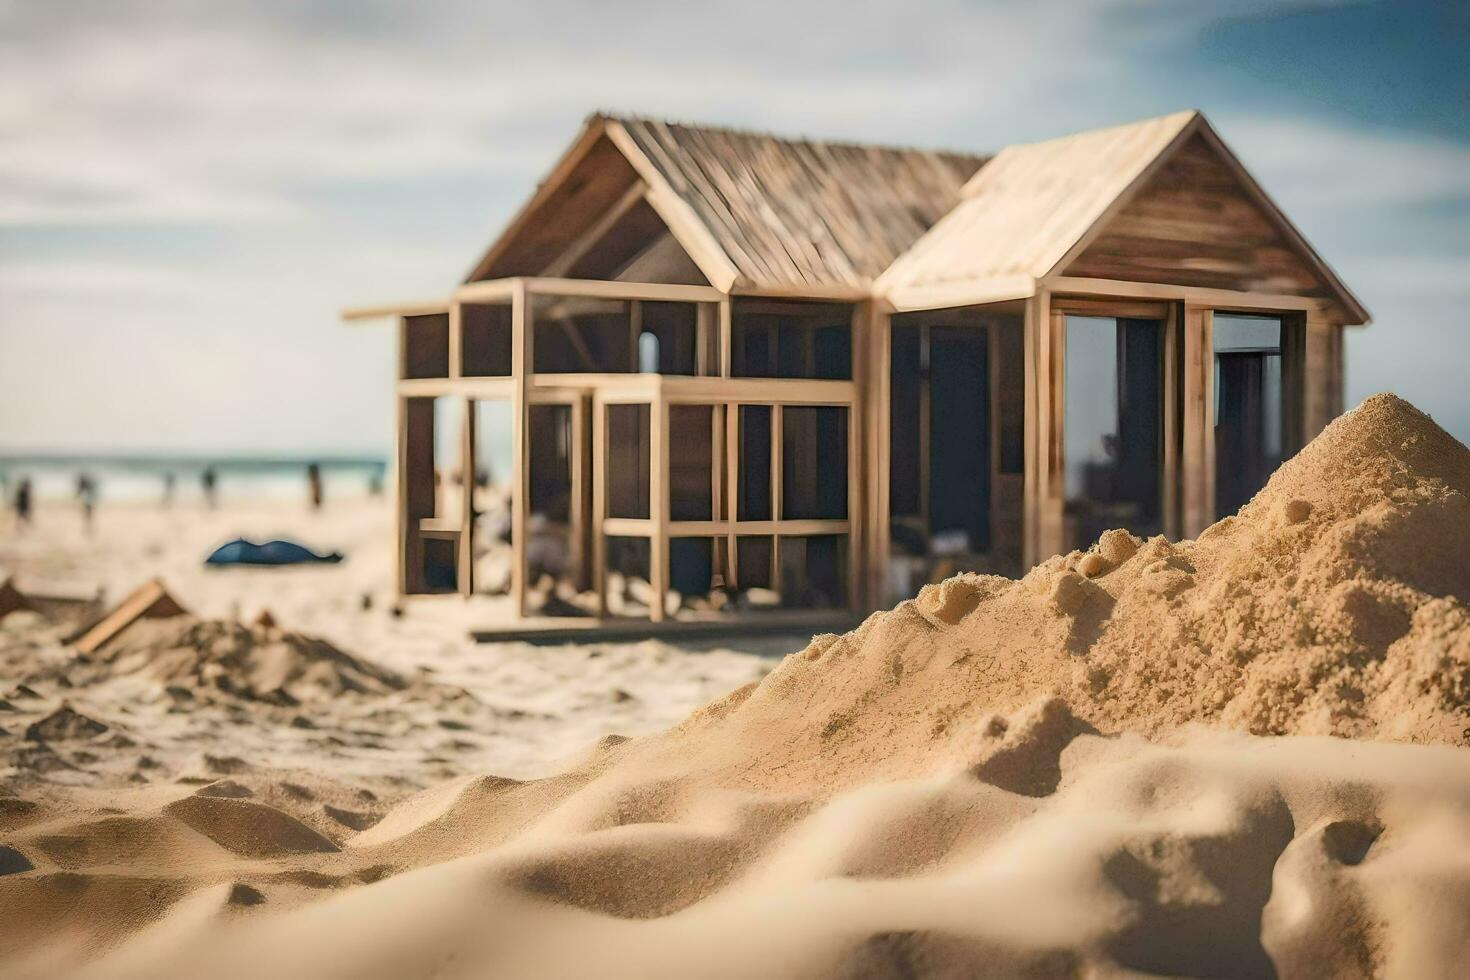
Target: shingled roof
x=923 y=228
x=1032 y=203
x=768 y=212
x=804 y=212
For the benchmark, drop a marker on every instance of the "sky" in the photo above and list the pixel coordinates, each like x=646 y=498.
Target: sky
x=189 y=192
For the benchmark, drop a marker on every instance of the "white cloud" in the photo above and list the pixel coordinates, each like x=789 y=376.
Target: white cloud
x=314 y=141
x=1318 y=164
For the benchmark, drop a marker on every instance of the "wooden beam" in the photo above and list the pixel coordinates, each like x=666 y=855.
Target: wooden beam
x=616 y=289
x=488 y=291
x=599 y=504
x=876 y=402
x=628 y=527
x=583 y=243
x=856 y=601
x=467 y=498
x=835 y=293
x=400 y=496
x=426 y=307
x=781 y=391
x=578 y=451
x=945 y=296
x=1195 y=457
x=726 y=364
x=683 y=223
x=1141 y=309
x=1223 y=299
x=732 y=487
x=717 y=481
x=480 y=388
x=1045 y=333
x=777 y=459
x=522 y=360
x=456 y=340
x=1031 y=463
x=658 y=507
x=1207 y=387
x=1320 y=376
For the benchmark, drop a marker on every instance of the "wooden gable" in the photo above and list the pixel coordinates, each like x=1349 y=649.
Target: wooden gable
x=1196 y=222
x=591 y=219
x=591 y=180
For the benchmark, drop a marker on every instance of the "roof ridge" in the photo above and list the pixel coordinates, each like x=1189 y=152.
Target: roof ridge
x=751 y=132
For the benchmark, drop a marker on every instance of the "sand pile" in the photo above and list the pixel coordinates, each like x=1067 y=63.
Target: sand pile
x=1062 y=776
x=261 y=662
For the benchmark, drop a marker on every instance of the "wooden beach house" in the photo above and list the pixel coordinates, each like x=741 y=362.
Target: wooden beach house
x=709 y=373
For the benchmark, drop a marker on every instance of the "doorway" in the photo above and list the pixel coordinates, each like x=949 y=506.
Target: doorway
x=1113 y=427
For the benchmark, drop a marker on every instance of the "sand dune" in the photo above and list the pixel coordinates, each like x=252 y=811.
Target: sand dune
x=1247 y=755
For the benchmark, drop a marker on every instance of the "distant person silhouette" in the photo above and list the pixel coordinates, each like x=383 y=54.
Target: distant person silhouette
x=314 y=485
x=170 y=486
x=23 y=502
x=87 y=494
x=210 y=479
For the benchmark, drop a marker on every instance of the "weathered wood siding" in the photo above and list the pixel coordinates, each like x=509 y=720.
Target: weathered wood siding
x=1193 y=224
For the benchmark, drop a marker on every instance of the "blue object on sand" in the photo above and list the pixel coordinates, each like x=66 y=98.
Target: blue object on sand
x=242 y=552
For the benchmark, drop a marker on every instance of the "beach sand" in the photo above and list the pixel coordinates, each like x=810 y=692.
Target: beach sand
x=1246 y=755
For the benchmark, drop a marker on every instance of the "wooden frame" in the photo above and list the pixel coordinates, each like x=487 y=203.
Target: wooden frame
x=1042 y=292
x=1187 y=457
x=662 y=392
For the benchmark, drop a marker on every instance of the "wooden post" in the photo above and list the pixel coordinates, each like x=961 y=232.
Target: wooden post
x=732 y=491
x=577 y=451
x=876 y=401
x=1320 y=375
x=522 y=359
x=725 y=338
x=776 y=494
x=400 y=496
x=1337 y=395
x=599 y=502
x=717 y=480
x=1045 y=334
x=1197 y=451
x=658 y=506
x=456 y=339
x=400 y=467
x=855 y=600
x=1031 y=462
x=467 y=497
x=856 y=425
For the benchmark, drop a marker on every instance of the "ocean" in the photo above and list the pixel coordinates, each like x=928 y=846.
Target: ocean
x=134 y=479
